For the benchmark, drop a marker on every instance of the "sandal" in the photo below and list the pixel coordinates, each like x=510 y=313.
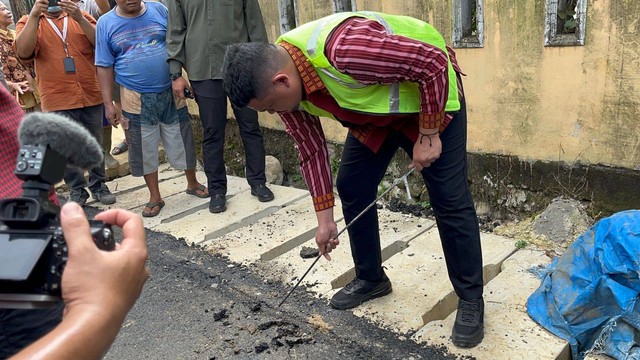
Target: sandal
x=152 y=205
x=195 y=190
x=120 y=148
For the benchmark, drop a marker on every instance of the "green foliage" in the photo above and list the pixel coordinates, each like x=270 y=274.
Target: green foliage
x=471 y=28
x=570 y=26
x=381 y=189
x=297 y=178
x=335 y=165
x=425 y=204
x=521 y=244
x=567 y=24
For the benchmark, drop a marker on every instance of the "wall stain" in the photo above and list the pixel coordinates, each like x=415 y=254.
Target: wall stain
x=622 y=99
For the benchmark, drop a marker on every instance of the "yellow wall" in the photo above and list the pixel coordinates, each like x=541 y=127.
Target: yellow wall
x=546 y=103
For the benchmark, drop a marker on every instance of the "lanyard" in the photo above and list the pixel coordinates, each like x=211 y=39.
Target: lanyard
x=62 y=35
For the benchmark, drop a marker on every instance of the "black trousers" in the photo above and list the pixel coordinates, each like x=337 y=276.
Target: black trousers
x=20 y=327
x=90 y=118
x=212 y=101
x=361 y=171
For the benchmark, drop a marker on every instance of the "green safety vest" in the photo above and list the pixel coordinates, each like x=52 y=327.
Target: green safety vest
x=400 y=98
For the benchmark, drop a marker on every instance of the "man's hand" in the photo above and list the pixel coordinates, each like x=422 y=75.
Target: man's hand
x=39 y=8
x=327 y=232
x=105 y=283
x=178 y=85
x=326 y=240
x=72 y=9
x=112 y=114
x=426 y=150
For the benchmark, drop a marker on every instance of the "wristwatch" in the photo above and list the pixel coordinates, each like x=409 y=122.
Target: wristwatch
x=174 y=76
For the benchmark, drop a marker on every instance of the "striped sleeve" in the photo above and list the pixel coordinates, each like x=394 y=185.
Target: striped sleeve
x=362 y=49
x=306 y=131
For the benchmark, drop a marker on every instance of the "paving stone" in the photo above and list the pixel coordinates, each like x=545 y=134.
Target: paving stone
x=128 y=188
x=242 y=210
x=396 y=231
x=421 y=287
x=177 y=205
x=269 y=236
x=509 y=332
x=272 y=235
x=171 y=182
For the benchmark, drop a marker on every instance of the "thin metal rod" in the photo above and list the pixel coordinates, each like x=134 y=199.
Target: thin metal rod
x=395 y=183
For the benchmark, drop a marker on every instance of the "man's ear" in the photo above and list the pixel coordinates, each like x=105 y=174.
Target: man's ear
x=282 y=79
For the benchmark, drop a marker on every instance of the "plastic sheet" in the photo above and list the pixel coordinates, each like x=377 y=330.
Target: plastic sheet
x=589 y=296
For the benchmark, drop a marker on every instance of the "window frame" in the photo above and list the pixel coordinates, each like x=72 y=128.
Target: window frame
x=551 y=35
x=460 y=41
x=288 y=15
x=343 y=5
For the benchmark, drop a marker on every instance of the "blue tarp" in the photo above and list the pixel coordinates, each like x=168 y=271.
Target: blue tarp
x=589 y=296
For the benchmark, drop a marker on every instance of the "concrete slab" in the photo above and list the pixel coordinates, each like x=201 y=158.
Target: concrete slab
x=127 y=184
x=396 y=231
x=422 y=291
x=133 y=194
x=177 y=206
x=509 y=332
x=272 y=235
x=268 y=237
x=242 y=209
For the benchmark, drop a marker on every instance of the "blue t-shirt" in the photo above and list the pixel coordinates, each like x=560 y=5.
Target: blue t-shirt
x=136 y=48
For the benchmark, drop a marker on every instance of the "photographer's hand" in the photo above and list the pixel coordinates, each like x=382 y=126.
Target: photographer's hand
x=98 y=287
x=101 y=279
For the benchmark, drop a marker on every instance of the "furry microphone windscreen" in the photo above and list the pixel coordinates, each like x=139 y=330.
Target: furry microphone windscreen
x=64 y=136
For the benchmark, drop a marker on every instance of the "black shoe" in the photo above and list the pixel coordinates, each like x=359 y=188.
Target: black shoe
x=468 y=329
x=104 y=196
x=217 y=203
x=79 y=196
x=358 y=291
x=262 y=192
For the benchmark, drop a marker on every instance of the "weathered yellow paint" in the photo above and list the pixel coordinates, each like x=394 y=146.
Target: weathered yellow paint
x=570 y=104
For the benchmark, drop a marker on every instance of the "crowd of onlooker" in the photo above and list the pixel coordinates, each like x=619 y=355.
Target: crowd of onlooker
x=113 y=63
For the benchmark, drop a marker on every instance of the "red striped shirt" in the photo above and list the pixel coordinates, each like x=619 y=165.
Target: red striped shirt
x=10 y=117
x=362 y=49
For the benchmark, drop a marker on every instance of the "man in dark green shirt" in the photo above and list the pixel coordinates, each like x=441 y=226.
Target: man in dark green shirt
x=197 y=37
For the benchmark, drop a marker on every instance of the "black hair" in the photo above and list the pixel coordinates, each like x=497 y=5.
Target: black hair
x=247 y=69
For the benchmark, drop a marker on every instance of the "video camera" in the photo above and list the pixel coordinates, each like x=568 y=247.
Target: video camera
x=33 y=251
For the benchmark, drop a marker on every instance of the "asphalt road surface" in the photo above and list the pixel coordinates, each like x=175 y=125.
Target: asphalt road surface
x=199 y=306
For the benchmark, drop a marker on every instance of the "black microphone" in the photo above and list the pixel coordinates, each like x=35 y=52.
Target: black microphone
x=62 y=135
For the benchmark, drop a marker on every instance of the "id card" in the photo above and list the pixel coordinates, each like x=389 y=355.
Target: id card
x=69 y=65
